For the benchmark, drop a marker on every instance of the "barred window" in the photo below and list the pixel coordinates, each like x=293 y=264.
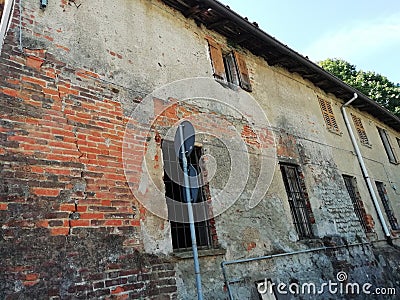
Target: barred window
x=360 y=130
x=329 y=117
x=174 y=192
x=351 y=186
x=386 y=205
x=299 y=204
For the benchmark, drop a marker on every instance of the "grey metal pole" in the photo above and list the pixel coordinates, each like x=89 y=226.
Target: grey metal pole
x=191 y=218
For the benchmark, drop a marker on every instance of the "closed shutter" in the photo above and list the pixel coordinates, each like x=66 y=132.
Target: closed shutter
x=360 y=130
x=243 y=72
x=327 y=113
x=216 y=58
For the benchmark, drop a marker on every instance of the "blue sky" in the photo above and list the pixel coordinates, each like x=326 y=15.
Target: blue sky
x=364 y=33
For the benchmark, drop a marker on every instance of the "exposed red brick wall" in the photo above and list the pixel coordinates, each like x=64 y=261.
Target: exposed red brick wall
x=286 y=146
x=69 y=222
x=63 y=142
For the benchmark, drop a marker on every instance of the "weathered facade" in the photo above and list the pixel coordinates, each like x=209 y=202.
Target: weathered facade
x=91 y=93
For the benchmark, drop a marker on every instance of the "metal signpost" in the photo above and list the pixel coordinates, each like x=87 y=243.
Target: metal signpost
x=184 y=144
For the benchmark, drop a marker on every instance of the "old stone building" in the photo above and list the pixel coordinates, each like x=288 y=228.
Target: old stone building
x=298 y=173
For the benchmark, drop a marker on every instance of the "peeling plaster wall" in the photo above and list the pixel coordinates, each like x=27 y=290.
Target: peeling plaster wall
x=66 y=100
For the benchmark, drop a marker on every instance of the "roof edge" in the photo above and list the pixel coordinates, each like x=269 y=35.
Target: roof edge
x=382 y=114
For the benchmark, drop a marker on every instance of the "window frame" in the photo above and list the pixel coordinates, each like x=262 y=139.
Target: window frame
x=231 y=71
x=180 y=231
x=350 y=183
x=380 y=187
x=387 y=145
x=228 y=66
x=300 y=207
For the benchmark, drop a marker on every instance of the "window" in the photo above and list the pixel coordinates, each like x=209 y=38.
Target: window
x=386 y=205
x=5 y=16
x=180 y=231
x=329 y=117
x=360 y=130
x=398 y=142
x=229 y=67
x=299 y=204
x=386 y=144
x=351 y=186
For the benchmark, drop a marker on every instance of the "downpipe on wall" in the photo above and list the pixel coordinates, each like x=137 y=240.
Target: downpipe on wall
x=364 y=170
x=370 y=189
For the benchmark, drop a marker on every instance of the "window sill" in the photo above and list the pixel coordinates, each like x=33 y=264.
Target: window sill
x=202 y=253
x=371 y=236
x=395 y=233
x=337 y=132
x=366 y=145
x=313 y=242
x=227 y=84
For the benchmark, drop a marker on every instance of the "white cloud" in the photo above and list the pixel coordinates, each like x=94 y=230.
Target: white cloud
x=356 y=41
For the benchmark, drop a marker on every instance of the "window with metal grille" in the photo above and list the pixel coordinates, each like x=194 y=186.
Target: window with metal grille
x=174 y=192
x=360 y=130
x=329 y=117
x=386 y=205
x=351 y=186
x=386 y=144
x=299 y=205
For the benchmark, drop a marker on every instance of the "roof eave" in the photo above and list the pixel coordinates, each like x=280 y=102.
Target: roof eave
x=279 y=54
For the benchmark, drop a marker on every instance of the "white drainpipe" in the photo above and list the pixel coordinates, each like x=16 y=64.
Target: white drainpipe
x=364 y=169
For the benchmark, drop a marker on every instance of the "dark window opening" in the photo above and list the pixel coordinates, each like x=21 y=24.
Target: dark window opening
x=386 y=205
x=180 y=231
x=386 y=144
x=231 y=69
x=299 y=204
x=351 y=186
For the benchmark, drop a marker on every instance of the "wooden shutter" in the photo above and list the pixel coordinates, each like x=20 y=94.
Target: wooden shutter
x=327 y=113
x=360 y=130
x=216 y=58
x=243 y=72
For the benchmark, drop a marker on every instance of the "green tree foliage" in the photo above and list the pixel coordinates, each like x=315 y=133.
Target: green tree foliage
x=371 y=84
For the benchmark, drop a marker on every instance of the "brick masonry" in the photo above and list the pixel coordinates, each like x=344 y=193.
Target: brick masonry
x=70 y=226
